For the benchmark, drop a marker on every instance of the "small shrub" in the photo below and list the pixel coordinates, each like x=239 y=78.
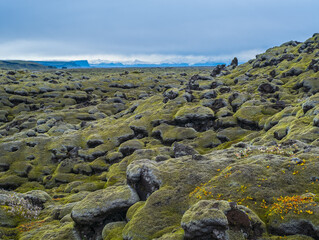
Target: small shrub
x=293 y=204
x=278 y=150
x=19 y=206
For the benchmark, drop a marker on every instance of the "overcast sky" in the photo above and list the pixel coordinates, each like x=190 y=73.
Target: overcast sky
x=151 y=30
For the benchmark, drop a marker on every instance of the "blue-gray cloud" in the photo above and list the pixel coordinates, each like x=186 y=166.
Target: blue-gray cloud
x=165 y=27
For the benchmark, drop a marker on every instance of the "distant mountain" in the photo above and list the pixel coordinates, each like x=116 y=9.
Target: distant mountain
x=18 y=64
x=141 y=64
x=42 y=65
x=66 y=64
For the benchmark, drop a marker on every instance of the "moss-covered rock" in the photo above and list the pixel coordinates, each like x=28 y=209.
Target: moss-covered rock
x=161 y=212
x=249 y=115
x=132 y=210
x=8 y=233
x=11 y=182
x=101 y=204
x=6 y=219
x=189 y=113
x=52 y=230
x=143 y=175
x=221 y=220
x=169 y=133
x=128 y=147
x=113 y=231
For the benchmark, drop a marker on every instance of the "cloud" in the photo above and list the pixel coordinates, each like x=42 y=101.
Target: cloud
x=52 y=50
x=160 y=58
x=163 y=29
x=35 y=49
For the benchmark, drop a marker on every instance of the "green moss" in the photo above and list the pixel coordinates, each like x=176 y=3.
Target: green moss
x=8 y=219
x=198 y=215
x=51 y=230
x=190 y=112
x=89 y=186
x=176 y=234
x=83 y=168
x=99 y=165
x=38 y=172
x=113 y=231
x=67 y=177
x=250 y=114
x=11 y=181
x=29 y=186
x=116 y=174
x=8 y=233
x=207 y=139
x=143 y=124
x=133 y=209
x=130 y=146
x=149 y=222
x=169 y=133
x=65 y=166
x=232 y=134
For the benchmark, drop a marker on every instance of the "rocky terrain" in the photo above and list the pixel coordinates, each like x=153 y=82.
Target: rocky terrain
x=226 y=152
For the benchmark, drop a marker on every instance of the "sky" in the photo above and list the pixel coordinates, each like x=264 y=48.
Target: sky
x=152 y=31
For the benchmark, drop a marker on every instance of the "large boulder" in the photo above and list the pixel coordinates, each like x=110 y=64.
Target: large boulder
x=198 y=117
x=267 y=88
x=215 y=104
x=128 y=147
x=237 y=99
x=171 y=93
x=183 y=150
x=37 y=197
x=310 y=85
x=209 y=94
x=104 y=204
x=11 y=182
x=252 y=113
x=169 y=134
x=144 y=176
x=188 y=113
x=221 y=220
x=310 y=103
